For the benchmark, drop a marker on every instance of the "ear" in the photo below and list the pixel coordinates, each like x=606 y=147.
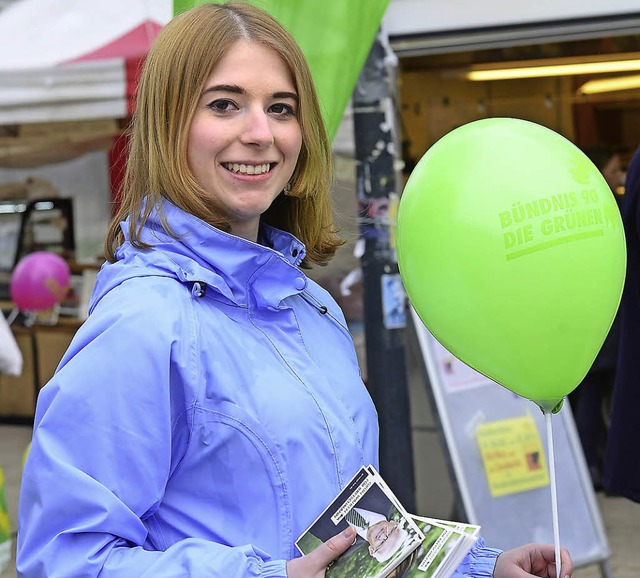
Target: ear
x=371 y=550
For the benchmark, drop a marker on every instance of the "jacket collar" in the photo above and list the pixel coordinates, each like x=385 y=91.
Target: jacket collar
x=244 y=273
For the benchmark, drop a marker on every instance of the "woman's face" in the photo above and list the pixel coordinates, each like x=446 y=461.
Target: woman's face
x=245 y=138
x=613 y=172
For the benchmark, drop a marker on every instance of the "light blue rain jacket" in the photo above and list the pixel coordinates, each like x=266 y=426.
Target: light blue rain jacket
x=204 y=415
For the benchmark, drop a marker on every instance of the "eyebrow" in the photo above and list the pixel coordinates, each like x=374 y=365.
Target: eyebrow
x=235 y=89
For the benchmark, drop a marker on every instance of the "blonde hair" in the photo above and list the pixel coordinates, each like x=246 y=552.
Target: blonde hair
x=179 y=63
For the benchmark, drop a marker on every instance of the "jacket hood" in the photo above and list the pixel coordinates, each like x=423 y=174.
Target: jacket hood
x=225 y=263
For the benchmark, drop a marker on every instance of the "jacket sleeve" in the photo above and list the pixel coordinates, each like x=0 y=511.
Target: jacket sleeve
x=478 y=563
x=108 y=433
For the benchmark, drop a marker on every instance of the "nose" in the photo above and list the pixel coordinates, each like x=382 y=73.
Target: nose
x=257 y=130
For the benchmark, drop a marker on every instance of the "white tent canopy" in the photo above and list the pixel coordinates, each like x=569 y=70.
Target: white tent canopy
x=72 y=62
x=44 y=33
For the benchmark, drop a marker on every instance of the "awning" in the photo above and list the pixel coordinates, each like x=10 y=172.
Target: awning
x=68 y=70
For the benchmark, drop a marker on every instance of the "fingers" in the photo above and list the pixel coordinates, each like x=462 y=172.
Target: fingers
x=548 y=552
x=314 y=564
x=335 y=546
x=566 y=563
x=533 y=560
x=512 y=564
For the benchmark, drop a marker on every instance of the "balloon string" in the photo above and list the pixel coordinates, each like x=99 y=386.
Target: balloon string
x=554 y=494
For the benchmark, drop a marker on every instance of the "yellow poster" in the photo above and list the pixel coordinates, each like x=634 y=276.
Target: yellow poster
x=512 y=454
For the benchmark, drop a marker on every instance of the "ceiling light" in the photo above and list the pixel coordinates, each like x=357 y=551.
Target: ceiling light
x=554 y=67
x=610 y=84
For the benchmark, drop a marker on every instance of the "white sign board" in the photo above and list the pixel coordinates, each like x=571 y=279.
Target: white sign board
x=465 y=403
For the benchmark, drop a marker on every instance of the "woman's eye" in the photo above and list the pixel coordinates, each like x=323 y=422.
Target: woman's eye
x=221 y=105
x=283 y=109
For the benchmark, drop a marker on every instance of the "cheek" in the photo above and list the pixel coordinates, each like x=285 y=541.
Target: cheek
x=197 y=149
x=195 y=140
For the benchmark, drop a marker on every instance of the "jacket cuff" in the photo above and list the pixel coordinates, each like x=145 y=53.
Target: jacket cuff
x=274 y=569
x=479 y=562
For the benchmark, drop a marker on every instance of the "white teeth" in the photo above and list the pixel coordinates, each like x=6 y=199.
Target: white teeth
x=248 y=169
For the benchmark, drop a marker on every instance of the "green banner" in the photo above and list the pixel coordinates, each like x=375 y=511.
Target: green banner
x=335 y=36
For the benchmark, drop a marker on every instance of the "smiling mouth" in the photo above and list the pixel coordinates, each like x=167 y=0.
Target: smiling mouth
x=248 y=169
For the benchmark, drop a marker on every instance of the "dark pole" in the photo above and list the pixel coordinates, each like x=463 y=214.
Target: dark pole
x=384 y=300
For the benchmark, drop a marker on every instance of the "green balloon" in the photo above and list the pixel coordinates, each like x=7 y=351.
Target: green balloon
x=511 y=249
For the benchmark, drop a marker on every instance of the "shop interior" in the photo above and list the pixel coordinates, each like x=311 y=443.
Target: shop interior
x=587 y=90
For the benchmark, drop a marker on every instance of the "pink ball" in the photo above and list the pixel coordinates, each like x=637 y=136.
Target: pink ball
x=39 y=281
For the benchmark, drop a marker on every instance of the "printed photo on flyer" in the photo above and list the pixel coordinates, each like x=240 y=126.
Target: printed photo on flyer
x=385 y=532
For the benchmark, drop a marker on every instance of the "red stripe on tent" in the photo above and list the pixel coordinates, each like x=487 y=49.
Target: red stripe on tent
x=132 y=44
x=132 y=47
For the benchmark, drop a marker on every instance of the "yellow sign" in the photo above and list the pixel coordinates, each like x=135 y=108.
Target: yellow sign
x=512 y=454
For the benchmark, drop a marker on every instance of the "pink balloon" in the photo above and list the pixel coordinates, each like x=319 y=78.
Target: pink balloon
x=39 y=281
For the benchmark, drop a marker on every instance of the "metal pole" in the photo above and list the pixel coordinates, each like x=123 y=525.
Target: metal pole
x=384 y=299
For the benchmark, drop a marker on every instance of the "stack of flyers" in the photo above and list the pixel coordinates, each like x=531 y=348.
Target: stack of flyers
x=385 y=532
x=390 y=542
x=444 y=546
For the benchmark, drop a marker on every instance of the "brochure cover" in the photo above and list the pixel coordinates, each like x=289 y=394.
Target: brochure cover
x=385 y=532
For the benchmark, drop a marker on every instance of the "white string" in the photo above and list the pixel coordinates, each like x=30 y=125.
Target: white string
x=554 y=494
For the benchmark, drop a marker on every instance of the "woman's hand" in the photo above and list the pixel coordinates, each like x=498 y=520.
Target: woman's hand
x=314 y=564
x=532 y=560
